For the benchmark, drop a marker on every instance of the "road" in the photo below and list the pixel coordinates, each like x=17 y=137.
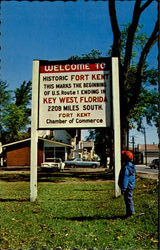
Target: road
x=141 y=170
x=146 y=172
x=146 y=169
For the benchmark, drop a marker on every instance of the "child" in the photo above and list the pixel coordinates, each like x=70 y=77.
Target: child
x=127 y=181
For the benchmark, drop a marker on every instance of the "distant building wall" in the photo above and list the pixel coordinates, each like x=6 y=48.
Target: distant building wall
x=18 y=157
x=18 y=154
x=40 y=156
x=152 y=152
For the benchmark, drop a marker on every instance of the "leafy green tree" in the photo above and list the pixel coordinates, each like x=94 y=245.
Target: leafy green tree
x=146 y=105
x=147 y=101
x=131 y=91
x=139 y=98
x=23 y=97
x=93 y=54
x=103 y=143
x=15 y=120
x=147 y=98
x=16 y=114
x=5 y=99
x=23 y=94
x=5 y=96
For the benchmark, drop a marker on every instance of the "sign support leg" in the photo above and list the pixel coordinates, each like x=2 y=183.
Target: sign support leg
x=116 y=122
x=34 y=133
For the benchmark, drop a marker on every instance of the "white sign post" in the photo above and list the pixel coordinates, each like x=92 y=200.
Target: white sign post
x=116 y=122
x=34 y=132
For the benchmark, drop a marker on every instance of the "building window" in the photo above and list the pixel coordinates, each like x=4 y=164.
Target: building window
x=54 y=152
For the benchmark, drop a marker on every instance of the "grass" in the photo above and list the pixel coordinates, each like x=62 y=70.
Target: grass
x=75 y=213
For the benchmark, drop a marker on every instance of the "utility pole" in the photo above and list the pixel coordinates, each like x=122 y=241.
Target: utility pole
x=133 y=142
x=133 y=145
x=145 y=144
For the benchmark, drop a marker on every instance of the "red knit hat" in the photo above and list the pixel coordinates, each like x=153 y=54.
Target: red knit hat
x=129 y=154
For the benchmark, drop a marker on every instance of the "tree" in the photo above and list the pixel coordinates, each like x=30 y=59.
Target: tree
x=147 y=101
x=5 y=99
x=16 y=114
x=103 y=143
x=93 y=54
x=15 y=120
x=23 y=97
x=5 y=96
x=129 y=103
x=23 y=94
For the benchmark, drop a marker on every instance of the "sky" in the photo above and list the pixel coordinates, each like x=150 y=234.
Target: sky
x=57 y=30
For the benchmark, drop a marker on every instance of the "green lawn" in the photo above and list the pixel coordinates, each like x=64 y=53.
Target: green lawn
x=75 y=213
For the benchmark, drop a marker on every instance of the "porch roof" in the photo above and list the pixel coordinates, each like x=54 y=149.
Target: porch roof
x=39 y=138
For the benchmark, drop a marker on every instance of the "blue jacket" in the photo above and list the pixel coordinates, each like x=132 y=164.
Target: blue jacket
x=127 y=177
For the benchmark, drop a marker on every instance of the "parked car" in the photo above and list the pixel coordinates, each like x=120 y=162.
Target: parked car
x=53 y=164
x=154 y=163
x=78 y=162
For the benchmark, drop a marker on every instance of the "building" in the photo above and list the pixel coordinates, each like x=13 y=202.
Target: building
x=64 y=144
x=145 y=154
x=51 y=144
x=18 y=153
x=85 y=150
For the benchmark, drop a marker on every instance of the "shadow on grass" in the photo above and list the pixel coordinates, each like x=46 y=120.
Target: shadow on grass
x=81 y=200
x=91 y=190
x=17 y=200
x=91 y=218
x=60 y=177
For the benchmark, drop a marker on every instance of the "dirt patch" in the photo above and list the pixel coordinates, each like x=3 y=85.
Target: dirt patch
x=151 y=176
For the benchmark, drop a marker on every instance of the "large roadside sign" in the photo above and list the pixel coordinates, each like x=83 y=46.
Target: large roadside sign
x=74 y=94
